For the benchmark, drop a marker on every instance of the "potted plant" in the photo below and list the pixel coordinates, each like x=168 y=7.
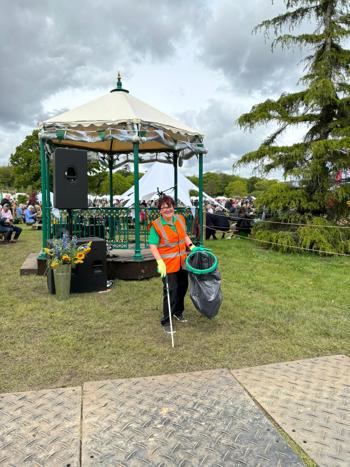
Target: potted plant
x=63 y=254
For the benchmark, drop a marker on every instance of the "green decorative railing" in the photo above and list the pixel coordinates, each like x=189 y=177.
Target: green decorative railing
x=115 y=225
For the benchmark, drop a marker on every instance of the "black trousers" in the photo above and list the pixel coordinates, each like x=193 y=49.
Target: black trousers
x=178 y=285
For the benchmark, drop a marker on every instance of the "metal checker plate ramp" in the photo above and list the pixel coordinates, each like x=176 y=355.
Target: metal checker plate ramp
x=310 y=400
x=194 y=419
x=40 y=428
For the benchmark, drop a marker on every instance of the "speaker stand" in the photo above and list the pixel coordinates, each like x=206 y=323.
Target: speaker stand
x=70 y=222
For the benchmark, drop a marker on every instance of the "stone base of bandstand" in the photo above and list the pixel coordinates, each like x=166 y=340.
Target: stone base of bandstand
x=120 y=265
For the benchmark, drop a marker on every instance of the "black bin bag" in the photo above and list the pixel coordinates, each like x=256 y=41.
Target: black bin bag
x=205 y=288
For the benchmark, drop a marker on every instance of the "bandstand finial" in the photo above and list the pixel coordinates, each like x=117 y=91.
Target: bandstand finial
x=119 y=84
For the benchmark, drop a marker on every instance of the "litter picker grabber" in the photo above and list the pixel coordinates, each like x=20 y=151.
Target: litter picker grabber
x=169 y=310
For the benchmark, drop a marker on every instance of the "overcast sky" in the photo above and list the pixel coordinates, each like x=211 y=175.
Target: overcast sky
x=196 y=60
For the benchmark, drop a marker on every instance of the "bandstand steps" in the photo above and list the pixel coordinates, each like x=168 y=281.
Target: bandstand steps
x=30 y=265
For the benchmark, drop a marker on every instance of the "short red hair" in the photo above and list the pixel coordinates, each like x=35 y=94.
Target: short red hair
x=168 y=200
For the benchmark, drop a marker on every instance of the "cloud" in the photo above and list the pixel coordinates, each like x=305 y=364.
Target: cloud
x=196 y=60
x=47 y=47
x=227 y=44
x=225 y=141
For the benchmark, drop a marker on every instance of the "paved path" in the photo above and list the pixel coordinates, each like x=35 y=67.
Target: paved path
x=191 y=419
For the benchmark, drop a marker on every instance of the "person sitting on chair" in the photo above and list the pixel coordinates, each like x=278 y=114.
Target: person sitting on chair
x=7 y=214
x=30 y=215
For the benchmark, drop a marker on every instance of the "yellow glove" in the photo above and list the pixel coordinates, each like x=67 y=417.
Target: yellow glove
x=161 y=268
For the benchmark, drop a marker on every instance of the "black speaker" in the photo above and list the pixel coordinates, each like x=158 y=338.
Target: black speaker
x=70 y=179
x=91 y=276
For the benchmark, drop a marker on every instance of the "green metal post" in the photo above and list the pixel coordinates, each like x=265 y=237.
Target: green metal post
x=47 y=194
x=111 y=218
x=175 y=158
x=200 y=197
x=137 y=255
x=43 y=171
x=110 y=167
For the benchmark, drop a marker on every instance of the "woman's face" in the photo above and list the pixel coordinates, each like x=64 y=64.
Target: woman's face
x=167 y=210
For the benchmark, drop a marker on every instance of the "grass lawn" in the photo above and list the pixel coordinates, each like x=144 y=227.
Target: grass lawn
x=276 y=308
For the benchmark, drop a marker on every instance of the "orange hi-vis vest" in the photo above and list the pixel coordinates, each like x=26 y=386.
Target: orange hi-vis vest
x=172 y=246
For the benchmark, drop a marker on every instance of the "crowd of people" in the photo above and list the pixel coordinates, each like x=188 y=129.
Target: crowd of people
x=221 y=214
x=13 y=214
x=236 y=215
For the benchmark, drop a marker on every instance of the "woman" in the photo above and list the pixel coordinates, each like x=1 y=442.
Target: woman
x=30 y=215
x=6 y=215
x=168 y=241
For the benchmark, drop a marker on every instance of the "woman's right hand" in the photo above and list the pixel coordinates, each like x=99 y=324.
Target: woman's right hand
x=161 y=268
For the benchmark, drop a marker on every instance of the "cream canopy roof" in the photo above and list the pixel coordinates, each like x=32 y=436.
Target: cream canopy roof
x=113 y=122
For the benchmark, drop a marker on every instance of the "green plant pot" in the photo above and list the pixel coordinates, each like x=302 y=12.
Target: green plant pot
x=62 y=276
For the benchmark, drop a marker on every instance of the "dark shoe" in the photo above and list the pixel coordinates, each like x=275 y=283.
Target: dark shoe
x=180 y=318
x=167 y=329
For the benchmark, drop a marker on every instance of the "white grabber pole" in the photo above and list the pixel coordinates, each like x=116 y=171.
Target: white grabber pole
x=169 y=310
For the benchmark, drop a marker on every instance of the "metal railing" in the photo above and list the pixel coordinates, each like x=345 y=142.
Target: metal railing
x=115 y=225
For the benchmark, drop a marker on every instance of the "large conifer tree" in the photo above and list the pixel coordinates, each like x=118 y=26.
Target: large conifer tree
x=323 y=106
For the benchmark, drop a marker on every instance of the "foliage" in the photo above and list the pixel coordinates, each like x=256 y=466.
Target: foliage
x=66 y=251
x=317 y=234
x=322 y=106
x=261 y=186
x=22 y=199
x=6 y=178
x=236 y=188
x=214 y=183
x=96 y=181
x=121 y=183
x=33 y=198
x=122 y=180
x=283 y=199
x=25 y=163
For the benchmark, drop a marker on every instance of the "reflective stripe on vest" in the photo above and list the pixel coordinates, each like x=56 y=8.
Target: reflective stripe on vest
x=183 y=225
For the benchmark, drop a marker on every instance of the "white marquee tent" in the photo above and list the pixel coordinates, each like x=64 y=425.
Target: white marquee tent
x=160 y=178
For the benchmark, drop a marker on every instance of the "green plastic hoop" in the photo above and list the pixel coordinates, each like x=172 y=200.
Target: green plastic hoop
x=202 y=271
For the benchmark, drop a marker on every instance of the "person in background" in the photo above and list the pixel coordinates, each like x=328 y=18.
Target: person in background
x=228 y=204
x=38 y=212
x=5 y=200
x=20 y=213
x=29 y=215
x=7 y=215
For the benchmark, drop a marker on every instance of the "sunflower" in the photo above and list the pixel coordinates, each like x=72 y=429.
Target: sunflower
x=54 y=264
x=47 y=251
x=78 y=261
x=80 y=255
x=87 y=250
x=66 y=258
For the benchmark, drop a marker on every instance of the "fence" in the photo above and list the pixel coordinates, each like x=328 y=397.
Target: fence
x=115 y=225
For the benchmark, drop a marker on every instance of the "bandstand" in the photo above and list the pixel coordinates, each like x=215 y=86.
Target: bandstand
x=118 y=129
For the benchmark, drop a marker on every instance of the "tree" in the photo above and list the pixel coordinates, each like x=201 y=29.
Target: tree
x=25 y=162
x=121 y=183
x=6 y=178
x=323 y=106
x=251 y=182
x=237 y=188
x=214 y=183
x=97 y=181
